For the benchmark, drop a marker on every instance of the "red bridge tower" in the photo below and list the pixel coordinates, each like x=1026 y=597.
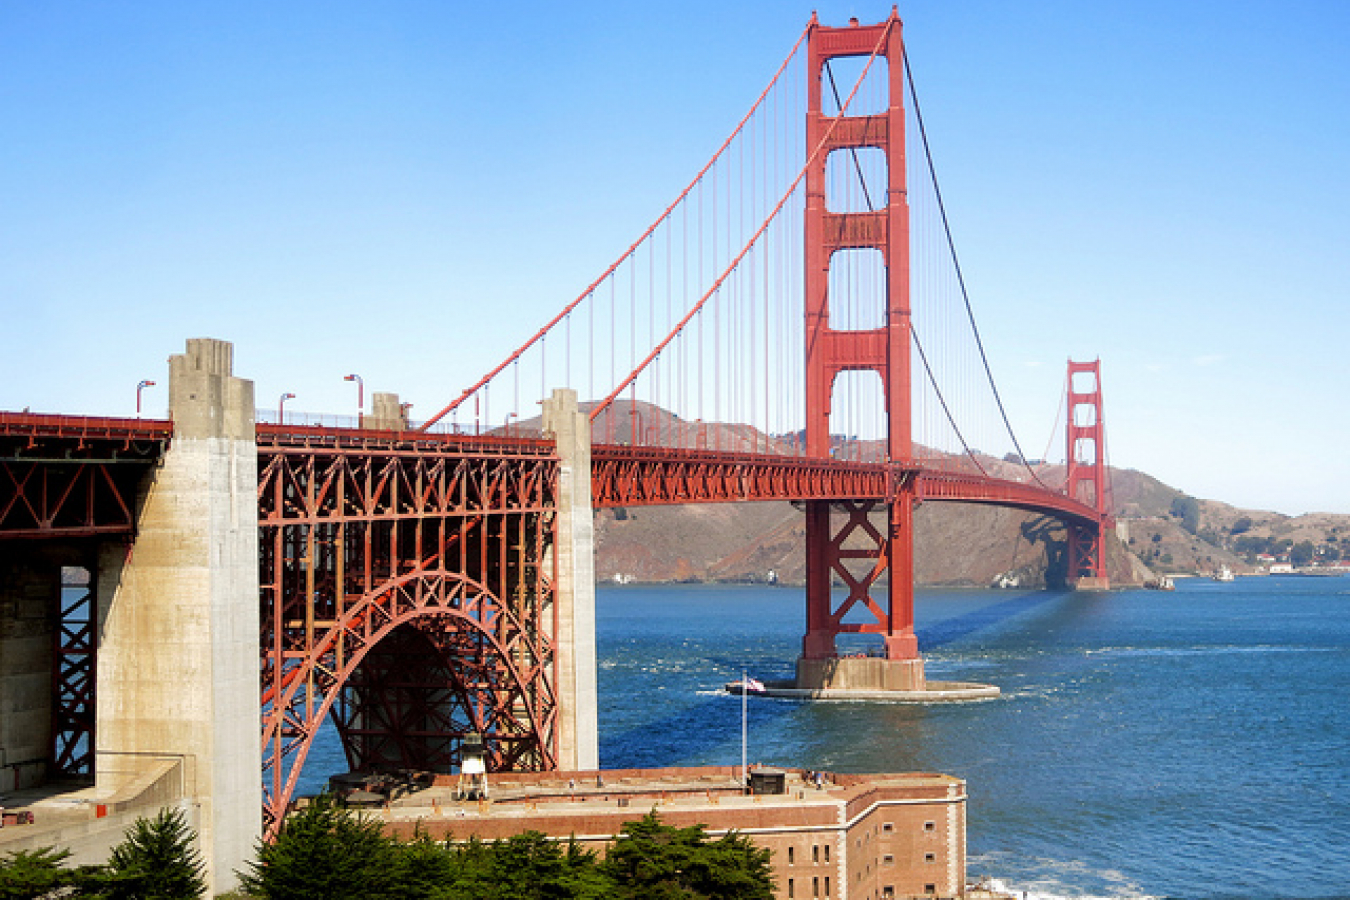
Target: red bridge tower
x=1085 y=479
x=846 y=544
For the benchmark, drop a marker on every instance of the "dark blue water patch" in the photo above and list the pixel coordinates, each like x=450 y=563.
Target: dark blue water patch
x=946 y=631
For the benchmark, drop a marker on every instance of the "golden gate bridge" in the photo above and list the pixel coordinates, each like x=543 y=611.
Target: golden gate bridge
x=794 y=326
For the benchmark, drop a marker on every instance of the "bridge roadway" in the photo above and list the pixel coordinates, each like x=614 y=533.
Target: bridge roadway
x=75 y=476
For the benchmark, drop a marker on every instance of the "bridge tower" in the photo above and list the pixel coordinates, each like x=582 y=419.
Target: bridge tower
x=1085 y=480
x=840 y=538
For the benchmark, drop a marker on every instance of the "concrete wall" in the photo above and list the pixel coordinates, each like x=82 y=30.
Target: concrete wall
x=28 y=612
x=179 y=656
x=578 y=730
x=861 y=674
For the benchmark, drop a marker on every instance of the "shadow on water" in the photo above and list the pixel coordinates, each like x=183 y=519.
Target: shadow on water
x=958 y=627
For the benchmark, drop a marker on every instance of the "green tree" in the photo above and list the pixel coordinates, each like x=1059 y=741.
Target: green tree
x=1242 y=525
x=325 y=850
x=30 y=874
x=156 y=861
x=1187 y=509
x=661 y=862
x=527 y=866
x=1301 y=553
x=424 y=868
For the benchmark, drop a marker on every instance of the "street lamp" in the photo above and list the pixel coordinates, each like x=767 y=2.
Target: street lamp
x=140 y=387
x=281 y=408
x=509 y=417
x=360 y=391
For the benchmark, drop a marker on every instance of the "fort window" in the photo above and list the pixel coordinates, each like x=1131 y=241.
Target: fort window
x=887 y=827
x=790 y=894
x=790 y=855
x=888 y=860
x=815 y=853
x=930 y=826
x=930 y=888
x=827 y=857
x=827 y=885
x=930 y=857
x=815 y=886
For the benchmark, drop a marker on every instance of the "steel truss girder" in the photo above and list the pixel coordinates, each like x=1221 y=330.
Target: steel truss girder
x=646 y=476
x=961 y=487
x=70 y=476
x=641 y=476
x=438 y=544
x=73 y=685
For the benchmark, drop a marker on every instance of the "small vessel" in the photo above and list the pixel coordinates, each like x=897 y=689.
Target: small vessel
x=745 y=686
x=1161 y=583
x=1224 y=574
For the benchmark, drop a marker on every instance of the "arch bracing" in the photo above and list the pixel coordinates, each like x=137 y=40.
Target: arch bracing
x=407 y=590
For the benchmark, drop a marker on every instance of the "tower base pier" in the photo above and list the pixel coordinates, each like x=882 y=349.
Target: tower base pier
x=874 y=678
x=861 y=673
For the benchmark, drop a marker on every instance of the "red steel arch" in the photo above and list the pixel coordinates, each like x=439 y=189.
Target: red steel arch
x=362 y=534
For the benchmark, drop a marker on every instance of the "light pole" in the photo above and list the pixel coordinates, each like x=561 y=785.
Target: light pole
x=281 y=408
x=140 y=387
x=509 y=417
x=360 y=393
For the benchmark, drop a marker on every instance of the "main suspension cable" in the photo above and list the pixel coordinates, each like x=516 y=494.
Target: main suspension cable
x=960 y=277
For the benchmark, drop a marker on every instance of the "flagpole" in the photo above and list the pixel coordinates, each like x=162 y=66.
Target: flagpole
x=745 y=697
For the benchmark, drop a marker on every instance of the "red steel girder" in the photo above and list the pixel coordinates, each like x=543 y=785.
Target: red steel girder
x=434 y=543
x=72 y=476
x=644 y=476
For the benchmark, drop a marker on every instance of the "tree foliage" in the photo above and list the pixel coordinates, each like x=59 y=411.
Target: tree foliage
x=156 y=861
x=652 y=860
x=29 y=874
x=527 y=866
x=1187 y=509
x=325 y=851
x=328 y=851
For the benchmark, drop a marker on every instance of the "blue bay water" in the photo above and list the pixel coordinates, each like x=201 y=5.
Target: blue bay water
x=1193 y=744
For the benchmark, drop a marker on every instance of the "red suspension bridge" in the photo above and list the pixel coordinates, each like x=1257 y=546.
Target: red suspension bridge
x=793 y=327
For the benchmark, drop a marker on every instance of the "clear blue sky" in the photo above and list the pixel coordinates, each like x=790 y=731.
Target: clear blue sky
x=341 y=187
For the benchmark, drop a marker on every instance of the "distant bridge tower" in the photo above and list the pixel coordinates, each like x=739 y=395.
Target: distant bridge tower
x=1086 y=477
x=850 y=547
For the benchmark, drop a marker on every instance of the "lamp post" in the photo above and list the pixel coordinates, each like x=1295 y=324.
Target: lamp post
x=281 y=408
x=360 y=392
x=509 y=417
x=140 y=387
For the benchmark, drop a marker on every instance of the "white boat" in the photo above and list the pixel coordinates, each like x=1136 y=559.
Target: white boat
x=748 y=686
x=1224 y=574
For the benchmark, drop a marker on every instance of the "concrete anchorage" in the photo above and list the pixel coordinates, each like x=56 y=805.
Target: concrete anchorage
x=178 y=665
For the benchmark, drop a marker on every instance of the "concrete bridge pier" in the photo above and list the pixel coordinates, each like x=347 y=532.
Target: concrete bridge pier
x=32 y=589
x=178 y=676
x=574 y=590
